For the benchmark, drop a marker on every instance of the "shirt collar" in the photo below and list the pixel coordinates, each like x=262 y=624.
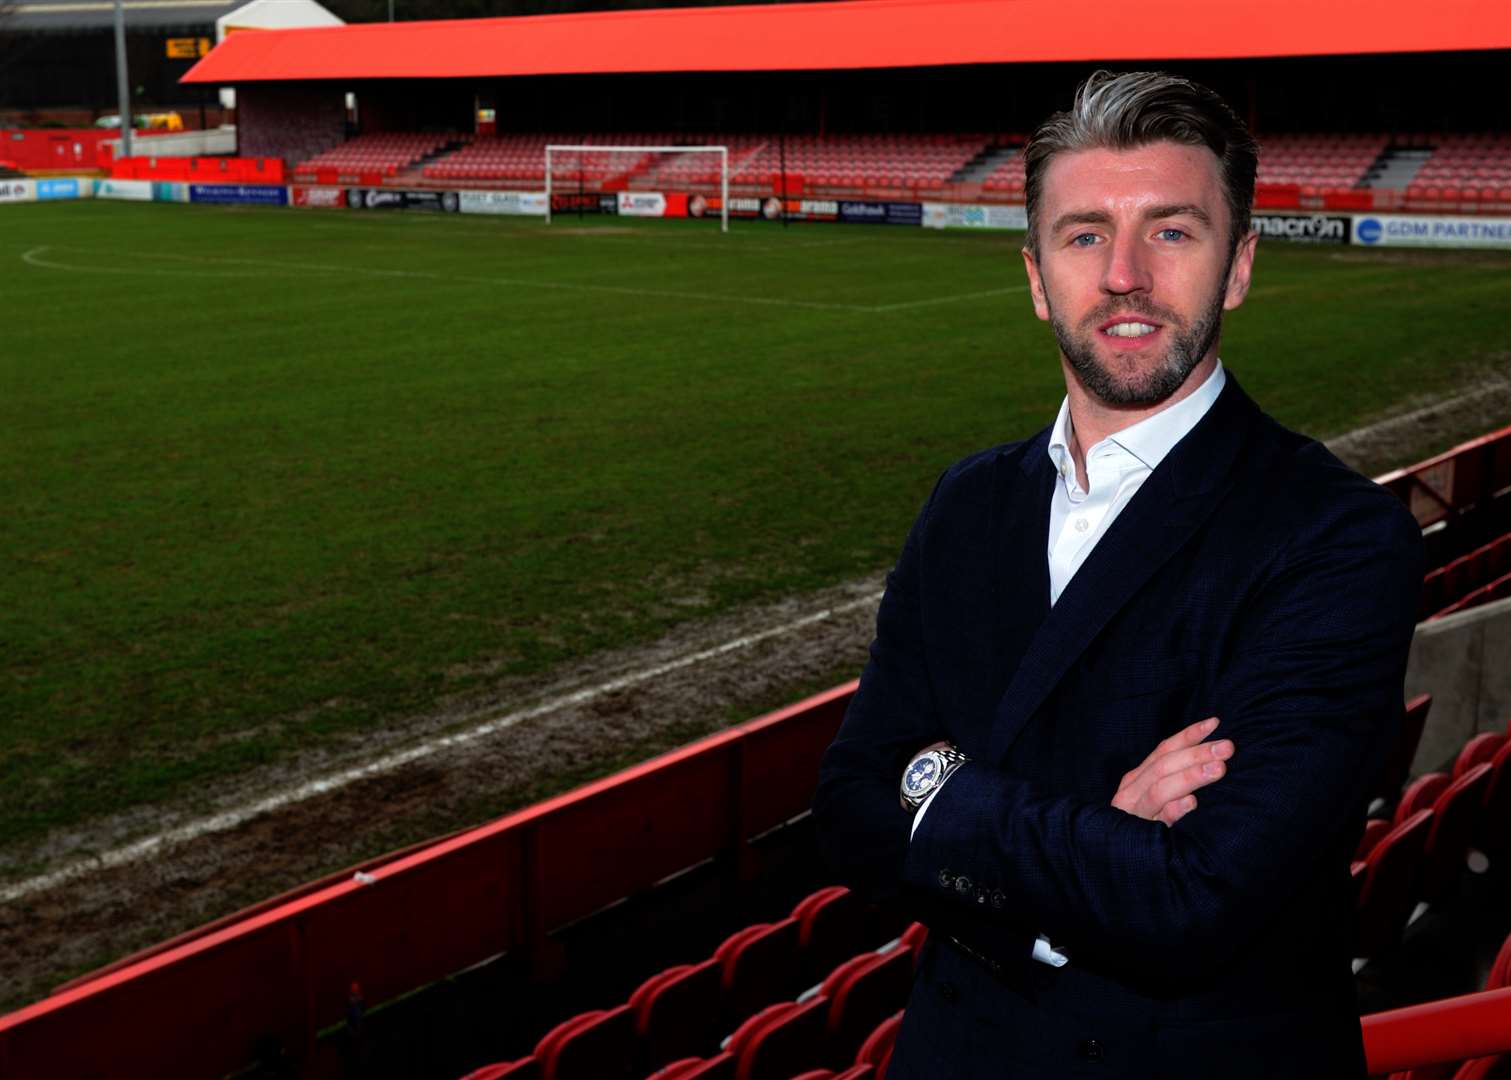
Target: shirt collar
x=1153 y=437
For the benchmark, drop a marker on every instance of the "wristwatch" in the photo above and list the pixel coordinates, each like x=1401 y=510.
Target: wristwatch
x=926 y=772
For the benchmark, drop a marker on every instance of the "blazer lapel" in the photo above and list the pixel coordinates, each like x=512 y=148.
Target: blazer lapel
x=1020 y=530
x=1173 y=503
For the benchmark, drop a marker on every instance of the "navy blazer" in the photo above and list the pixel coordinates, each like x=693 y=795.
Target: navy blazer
x=1253 y=577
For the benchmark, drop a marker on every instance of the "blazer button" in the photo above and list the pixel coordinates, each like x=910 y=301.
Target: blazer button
x=999 y=899
x=946 y=879
x=1090 y=1049
x=981 y=894
x=963 y=885
x=948 y=992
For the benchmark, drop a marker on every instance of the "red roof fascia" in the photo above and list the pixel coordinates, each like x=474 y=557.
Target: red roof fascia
x=855 y=34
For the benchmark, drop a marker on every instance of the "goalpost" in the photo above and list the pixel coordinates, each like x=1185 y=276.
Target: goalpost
x=721 y=151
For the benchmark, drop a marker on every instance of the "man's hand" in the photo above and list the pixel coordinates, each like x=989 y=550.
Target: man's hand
x=1160 y=788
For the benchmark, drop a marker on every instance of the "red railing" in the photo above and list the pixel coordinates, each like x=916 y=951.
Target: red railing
x=284 y=971
x=1457 y=481
x=1455 y=1029
x=283 y=968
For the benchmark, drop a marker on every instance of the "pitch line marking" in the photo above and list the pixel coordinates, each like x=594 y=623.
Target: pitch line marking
x=32 y=258
x=230 y=819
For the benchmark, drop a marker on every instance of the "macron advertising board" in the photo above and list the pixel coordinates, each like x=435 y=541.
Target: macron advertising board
x=1303 y=228
x=1411 y=230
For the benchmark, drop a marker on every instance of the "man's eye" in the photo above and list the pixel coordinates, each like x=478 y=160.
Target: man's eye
x=1172 y=234
x=1083 y=239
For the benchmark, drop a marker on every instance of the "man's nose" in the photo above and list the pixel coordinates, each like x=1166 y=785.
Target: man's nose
x=1127 y=267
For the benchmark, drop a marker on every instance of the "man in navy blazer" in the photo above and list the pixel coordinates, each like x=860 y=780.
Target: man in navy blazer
x=1071 y=618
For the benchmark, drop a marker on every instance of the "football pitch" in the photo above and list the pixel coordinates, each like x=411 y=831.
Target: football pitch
x=273 y=477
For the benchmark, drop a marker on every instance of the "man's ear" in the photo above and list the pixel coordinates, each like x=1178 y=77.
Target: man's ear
x=1241 y=272
x=1036 y=285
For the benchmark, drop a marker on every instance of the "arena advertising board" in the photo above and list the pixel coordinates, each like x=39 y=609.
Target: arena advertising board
x=1407 y=230
x=244 y=194
x=131 y=190
x=515 y=203
x=63 y=188
x=1304 y=228
x=770 y=208
x=388 y=199
x=583 y=202
x=17 y=191
x=974 y=216
x=306 y=195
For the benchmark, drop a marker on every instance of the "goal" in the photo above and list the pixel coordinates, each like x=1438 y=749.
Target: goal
x=586 y=171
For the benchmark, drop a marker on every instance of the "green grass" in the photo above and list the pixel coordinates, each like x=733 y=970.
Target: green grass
x=273 y=477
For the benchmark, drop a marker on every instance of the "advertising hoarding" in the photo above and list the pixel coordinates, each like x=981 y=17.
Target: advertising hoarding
x=881 y=213
x=132 y=190
x=642 y=204
x=1304 y=228
x=240 y=194
x=330 y=197
x=514 y=203
x=974 y=216
x=17 y=191
x=389 y=199
x=1413 y=230
x=61 y=188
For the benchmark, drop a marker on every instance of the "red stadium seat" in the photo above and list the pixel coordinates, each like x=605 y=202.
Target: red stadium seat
x=1495 y=815
x=1397 y=767
x=758 y=965
x=1420 y=794
x=1493 y=1068
x=780 y=1040
x=1387 y=893
x=523 y=1069
x=1478 y=750
x=597 y=1045
x=676 y=1012
x=1455 y=817
x=718 y=1067
x=877 y=1049
x=1500 y=970
x=1374 y=831
x=862 y=993
x=831 y=926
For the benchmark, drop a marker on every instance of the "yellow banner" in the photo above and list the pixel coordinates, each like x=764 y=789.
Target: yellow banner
x=187 y=48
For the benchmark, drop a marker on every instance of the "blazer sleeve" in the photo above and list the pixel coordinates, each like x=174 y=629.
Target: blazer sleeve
x=1310 y=692
x=862 y=828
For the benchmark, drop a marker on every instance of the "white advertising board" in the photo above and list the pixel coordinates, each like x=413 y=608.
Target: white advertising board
x=134 y=190
x=17 y=191
x=1425 y=230
x=642 y=204
x=518 y=203
x=973 y=216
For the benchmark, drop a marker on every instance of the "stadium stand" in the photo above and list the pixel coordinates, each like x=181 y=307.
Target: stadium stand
x=529 y=887
x=385 y=153
x=1462 y=174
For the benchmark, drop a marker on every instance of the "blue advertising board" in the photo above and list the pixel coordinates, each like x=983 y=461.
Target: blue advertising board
x=58 y=189
x=258 y=194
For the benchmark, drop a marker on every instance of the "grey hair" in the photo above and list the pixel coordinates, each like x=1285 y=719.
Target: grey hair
x=1136 y=108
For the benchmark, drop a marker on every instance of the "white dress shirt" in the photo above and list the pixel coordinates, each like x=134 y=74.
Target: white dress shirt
x=1116 y=468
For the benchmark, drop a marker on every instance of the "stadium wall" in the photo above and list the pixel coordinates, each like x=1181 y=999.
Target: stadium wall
x=1460 y=660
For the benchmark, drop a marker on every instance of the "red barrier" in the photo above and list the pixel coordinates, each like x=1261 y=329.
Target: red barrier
x=54 y=149
x=200 y=170
x=1455 y=1029
x=1457 y=481
x=285 y=971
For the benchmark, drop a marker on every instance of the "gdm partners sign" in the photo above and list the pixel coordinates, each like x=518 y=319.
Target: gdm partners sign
x=1406 y=230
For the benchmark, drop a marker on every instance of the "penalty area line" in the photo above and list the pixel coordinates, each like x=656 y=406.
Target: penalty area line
x=230 y=819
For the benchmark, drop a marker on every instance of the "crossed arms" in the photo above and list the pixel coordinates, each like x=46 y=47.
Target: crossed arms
x=1308 y=694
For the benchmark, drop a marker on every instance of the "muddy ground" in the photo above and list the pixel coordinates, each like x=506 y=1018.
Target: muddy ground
x=57 y=932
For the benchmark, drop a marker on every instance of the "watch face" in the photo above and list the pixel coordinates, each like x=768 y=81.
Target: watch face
x=923 y=773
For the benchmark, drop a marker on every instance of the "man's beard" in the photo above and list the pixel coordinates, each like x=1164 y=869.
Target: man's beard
x=1188 y=344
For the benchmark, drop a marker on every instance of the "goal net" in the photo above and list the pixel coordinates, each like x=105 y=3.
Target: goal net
x=581 y=177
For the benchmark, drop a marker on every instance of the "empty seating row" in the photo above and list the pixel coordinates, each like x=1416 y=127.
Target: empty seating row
x=676 y=1015
x=1496 y=1068
x=1443 y=820
x=1447 y=588
x=387 y=152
